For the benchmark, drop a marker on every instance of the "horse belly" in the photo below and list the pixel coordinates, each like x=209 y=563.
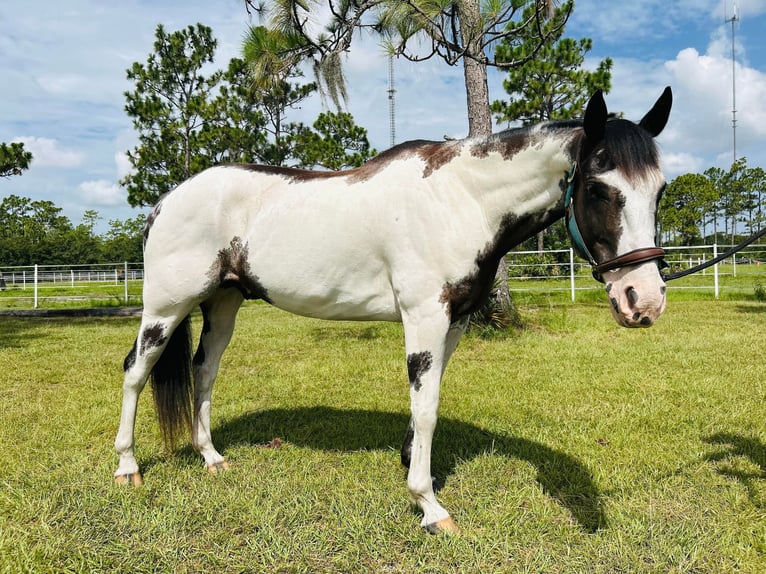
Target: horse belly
x=323 y=280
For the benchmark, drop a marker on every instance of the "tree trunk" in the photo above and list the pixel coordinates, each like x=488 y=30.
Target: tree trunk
x=480 y=124
x=477 y=98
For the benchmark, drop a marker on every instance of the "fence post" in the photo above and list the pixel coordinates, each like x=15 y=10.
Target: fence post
x=35 y=299
x=715 y=269
x=572 y=272
x=125 y=281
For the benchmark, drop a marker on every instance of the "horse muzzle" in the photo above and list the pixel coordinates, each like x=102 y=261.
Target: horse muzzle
x=637 y=296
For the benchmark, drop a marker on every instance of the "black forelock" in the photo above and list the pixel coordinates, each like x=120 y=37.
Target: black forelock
x=630 y=147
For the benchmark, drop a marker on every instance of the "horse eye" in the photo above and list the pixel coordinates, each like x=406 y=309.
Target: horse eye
x=598 y=193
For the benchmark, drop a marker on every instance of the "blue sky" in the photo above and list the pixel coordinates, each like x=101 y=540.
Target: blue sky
x=63 y=75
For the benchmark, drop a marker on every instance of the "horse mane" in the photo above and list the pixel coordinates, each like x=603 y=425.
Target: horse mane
x=630 y=146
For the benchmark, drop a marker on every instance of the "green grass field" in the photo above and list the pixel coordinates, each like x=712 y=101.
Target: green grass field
x=571 y=446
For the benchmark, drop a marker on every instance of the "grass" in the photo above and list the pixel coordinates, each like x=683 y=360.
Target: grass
x=572 y=446
x=64 y=295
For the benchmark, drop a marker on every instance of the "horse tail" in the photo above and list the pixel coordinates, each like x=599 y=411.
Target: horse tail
x=172 y=385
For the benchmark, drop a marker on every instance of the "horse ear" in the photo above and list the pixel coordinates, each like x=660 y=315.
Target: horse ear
x=654 y=121
x=594 y=123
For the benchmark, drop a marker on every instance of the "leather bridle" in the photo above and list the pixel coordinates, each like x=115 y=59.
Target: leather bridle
x=635 y=257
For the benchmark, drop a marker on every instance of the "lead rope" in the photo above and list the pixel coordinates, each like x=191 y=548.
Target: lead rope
x=715 y=260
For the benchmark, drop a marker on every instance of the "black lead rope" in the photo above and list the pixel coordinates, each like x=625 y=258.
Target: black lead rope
x=715 y=260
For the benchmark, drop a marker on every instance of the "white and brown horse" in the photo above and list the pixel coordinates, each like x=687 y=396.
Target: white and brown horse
x=415 y=235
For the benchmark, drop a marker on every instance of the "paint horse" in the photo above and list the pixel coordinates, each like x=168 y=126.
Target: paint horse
x=414 y=235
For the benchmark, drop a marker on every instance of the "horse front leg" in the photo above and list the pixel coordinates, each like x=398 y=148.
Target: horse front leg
x=426 y=341
x=454 y=334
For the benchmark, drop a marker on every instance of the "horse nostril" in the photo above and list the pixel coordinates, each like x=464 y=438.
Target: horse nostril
x=632 y=295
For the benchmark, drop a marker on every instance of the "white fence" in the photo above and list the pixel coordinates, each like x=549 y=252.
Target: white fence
x=561 y=270
x=37 y=283
x=529 y=271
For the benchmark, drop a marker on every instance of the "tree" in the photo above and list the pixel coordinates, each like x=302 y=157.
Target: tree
x=757 y=218
x=124 y=240
x=735 y=194
x=275 y=102
x=234 y=130
x=13 y=159
x=715 y=175
x=277 y=93
x=169 y=106
x=334 y=143
x=553 y=85
x=683 y=206
x=31 y=231
x=188 y=121
x=458 y=31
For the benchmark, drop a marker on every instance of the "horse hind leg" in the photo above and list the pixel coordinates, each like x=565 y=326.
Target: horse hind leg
x=158 y=338
x=219 y=314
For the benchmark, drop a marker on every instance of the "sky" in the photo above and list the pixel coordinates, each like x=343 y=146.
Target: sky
x=63 y=64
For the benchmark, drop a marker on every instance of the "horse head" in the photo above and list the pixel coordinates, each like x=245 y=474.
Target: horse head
x=611 y=205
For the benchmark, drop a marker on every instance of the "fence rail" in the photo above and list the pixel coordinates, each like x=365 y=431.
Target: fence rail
x=35 y=284
x=551 y=271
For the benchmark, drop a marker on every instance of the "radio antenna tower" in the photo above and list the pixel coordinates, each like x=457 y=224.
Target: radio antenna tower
x=734 y=18
x=391 y=100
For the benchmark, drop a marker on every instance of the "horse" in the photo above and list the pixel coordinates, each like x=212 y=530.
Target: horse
x=415 y=235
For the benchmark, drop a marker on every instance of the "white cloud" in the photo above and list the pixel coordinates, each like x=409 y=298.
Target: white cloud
x=62 y=84
x=123 y=164
x=675 y=164
x=47 y=153
x=102 y=192
x=703 y=84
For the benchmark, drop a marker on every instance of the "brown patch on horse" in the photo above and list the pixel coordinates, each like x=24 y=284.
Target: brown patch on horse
x=292 y=174
x=417 y=365
x=507 y=144
x=434 y=154
x=153 y=336
x=232 y=269
x=150 y=220
x=468 y=294
x=437 y=155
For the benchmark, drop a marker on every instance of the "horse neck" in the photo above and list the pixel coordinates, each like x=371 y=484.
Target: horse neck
x=518 y=174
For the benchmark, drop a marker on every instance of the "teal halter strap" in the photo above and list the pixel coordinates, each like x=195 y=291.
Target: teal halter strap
x=574 y=231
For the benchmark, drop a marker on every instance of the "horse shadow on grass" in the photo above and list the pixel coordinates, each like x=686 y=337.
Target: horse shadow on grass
x=736 y=446
x=560 y=475
x=752 y=309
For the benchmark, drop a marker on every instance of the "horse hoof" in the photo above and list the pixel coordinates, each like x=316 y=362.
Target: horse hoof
x=217 y=467
x=133 y=479
x=444 y=526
